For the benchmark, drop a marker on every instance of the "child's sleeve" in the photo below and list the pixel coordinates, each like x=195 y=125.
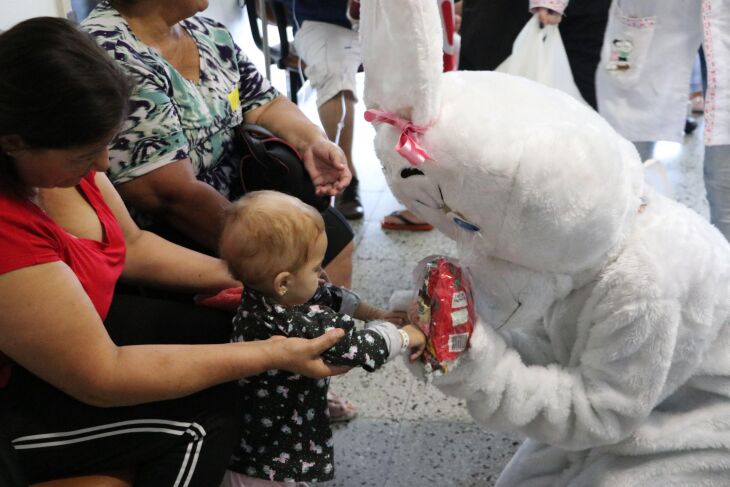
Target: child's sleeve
x=337 y=298
x=369 y=348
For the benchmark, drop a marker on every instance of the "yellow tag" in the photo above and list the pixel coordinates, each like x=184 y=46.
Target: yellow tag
x=233 y=99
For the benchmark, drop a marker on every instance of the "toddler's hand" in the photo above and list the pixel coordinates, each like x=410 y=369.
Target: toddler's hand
x=547 y=16
x=416 y=341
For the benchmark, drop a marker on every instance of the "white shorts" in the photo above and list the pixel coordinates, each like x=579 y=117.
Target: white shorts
x=332 y=57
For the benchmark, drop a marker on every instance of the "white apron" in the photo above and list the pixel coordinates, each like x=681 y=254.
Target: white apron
x=642 y=82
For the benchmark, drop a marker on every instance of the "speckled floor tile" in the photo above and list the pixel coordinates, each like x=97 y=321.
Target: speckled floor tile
x=363 y=453
x=448 y=454
x=383 y=394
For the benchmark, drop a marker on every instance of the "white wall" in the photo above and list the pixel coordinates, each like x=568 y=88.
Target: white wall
x=13 y=11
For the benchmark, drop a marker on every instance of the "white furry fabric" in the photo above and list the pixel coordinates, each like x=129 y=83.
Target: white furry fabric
x=604 y=331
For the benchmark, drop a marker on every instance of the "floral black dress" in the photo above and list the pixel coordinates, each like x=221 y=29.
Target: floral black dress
x=287 y=435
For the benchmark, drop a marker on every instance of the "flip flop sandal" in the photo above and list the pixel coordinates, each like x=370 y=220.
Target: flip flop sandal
x=340 y=409
x=405 y=224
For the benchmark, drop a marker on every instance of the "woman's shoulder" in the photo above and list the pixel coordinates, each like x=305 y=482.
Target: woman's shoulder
x=29 y=237
x=110 y=31
x=104 y=23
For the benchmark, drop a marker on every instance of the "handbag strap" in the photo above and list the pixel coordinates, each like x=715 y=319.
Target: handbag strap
x=256 y=137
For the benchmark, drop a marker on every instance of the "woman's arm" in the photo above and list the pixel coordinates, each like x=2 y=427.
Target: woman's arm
x=154 y=260
x=324 y=161
x=173 y=194
x=50 y=327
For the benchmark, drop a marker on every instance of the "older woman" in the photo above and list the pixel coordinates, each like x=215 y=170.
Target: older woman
x=176 y=159
x=93 y=382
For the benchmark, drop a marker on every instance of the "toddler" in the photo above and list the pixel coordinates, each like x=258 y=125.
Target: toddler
x=275 y=244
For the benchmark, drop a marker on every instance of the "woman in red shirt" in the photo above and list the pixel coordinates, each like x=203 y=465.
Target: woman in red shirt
x=90 y=381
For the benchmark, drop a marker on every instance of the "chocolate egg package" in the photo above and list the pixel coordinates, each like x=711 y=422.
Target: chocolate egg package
x=444 y=311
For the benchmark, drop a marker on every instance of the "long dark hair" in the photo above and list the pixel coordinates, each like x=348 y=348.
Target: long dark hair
x=58 y=90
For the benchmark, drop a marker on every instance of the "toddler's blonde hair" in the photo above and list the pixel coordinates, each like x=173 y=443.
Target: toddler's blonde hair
x=265 y=233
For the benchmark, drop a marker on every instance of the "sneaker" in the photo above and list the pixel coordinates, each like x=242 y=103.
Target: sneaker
x=348 y=203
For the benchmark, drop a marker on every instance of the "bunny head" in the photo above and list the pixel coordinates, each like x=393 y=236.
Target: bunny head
x=511 y=169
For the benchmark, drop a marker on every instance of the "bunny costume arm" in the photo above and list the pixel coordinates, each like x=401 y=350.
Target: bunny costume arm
x=531 y=343
x=598 y=399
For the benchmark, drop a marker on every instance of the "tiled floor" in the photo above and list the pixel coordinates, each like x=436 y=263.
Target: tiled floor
x=408 y=433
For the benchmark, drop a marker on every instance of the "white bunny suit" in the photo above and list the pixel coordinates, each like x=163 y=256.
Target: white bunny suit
x=604 y=331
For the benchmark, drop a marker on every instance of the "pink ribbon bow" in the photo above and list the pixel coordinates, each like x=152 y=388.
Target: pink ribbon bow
x=407 y=145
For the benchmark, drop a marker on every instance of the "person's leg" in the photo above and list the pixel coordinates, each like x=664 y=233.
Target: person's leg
x=582 y=31
x=646 y=150
x=186 y=439
x=717 y=184
x=488 y=30
x=338 y=119
x=332 y=57
x=340 y=246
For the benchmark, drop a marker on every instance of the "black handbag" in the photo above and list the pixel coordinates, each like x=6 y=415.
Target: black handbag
x=269 y=162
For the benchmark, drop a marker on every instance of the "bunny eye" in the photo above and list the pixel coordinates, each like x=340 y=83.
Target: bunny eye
x=410 y=171
x=460 y=222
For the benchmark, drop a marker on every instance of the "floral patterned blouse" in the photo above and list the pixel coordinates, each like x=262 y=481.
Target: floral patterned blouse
x=287 y=435
x=172 y=118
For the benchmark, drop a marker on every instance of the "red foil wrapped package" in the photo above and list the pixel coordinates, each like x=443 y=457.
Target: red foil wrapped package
x=444 y=311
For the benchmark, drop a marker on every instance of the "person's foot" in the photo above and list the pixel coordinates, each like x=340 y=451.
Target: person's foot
x=690 y=124
x=697 y=101
x=348 y=203
x=340 y=409
x=404 y=220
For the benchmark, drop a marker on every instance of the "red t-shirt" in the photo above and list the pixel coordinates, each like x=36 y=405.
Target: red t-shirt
x=29 y=237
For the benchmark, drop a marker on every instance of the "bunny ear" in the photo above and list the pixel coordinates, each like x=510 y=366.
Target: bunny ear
x=402 y=56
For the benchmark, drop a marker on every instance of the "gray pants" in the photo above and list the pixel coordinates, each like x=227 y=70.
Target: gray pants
x=717 y=183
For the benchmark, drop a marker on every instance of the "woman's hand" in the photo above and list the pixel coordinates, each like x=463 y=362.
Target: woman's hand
x=327 y=166
x=547 y=16
x=302 y=356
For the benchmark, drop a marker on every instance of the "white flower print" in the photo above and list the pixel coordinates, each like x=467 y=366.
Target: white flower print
x=306 y=466
x=286 y=429
x=284 y=391
x=298 y=420
x=369 y=361
x=369 y=338
x=282 y=458
x=328 y=468
x=351 y=353
x=314 y=447
x=267 y=422
x=310 y=414
x=298 y=447
x=262 y=393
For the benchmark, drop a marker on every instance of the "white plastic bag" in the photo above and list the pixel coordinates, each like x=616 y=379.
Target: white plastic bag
x=538 y=54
